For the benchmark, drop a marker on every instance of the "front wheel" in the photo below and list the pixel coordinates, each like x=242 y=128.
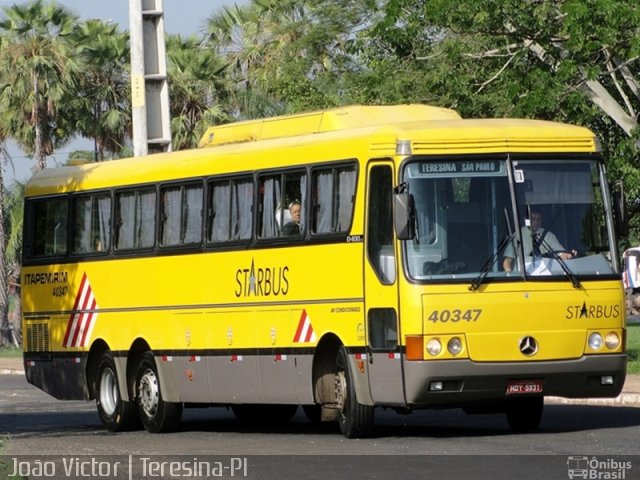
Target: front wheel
x=157 y=415
x=354 y=419
x=115 y=414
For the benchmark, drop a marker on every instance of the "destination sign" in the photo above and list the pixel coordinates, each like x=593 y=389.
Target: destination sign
x=462 y=168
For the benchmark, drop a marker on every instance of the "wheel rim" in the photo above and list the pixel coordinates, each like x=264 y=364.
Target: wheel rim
x=108 y=391
x=148 y=393
x=341 y=392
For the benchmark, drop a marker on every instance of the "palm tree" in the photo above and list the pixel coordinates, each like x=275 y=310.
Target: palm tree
x=5 y=329
x=197 y=90
x=103 y=90
x=288 y=55
x=11 y=233
x=242 y=35
x=36 y=81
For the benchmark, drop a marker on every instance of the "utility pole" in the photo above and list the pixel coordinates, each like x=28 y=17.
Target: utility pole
x=149 y=87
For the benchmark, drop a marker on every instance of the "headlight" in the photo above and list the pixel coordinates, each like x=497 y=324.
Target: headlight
x=434 y=347
x=612 y=340
x=595 y=341
x=454 y=346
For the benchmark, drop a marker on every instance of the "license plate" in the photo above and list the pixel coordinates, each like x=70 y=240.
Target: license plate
x=516 y=387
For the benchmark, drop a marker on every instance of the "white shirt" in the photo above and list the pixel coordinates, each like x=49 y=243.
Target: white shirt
x=549 y=243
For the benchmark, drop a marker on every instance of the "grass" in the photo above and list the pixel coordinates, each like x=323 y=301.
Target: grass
x=633 y=348
x=10 y=352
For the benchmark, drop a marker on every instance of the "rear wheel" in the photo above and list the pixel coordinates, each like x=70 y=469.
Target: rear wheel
x=355 y=419
x=157 y=415
x=524 y=414
x=115 y=414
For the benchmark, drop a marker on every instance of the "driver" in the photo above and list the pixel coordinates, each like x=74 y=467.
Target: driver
x=537 y=241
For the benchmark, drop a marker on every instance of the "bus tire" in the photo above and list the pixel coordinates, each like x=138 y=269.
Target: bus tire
x=157 y=415
x=115 y=414
x=524 y=414
x=354 y=419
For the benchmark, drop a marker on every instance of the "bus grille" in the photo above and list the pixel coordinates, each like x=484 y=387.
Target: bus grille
x=38 y=337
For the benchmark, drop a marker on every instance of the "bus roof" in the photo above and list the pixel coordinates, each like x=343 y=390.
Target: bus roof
x=356 y=116
x=348 y=132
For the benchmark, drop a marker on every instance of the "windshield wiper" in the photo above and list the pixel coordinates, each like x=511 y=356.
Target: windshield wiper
x=486 y=268
x=565 y=268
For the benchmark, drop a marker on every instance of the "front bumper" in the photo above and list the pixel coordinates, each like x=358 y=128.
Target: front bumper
x=465 y=382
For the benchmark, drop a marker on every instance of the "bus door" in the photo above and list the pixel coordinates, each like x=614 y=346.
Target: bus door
x=381 y=289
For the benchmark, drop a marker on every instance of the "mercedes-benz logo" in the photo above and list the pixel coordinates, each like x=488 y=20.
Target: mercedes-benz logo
x=528 y=346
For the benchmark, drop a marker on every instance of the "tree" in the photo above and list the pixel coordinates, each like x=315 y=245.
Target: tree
x=5 y=327
x=12 y=215
x=287 y=56
x=103 y=88
x=197 y=88
x=571 y=60
x=242 y=37
x=38 y=67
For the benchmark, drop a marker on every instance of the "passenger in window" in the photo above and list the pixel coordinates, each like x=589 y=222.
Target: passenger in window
x=537 y=242
x=97 y=244
x=293 y=227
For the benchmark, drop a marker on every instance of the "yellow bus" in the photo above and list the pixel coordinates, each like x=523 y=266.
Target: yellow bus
x=341 y=260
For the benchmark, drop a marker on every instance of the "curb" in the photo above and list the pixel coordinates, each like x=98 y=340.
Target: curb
x=622 y=400
x=7 y=371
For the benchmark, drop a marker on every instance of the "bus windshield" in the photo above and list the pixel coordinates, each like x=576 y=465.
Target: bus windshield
x=466 y=225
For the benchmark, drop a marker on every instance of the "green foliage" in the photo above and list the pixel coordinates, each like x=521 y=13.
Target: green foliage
x=37 y=62
x=10 y=352
x=517 y=58
x=13 y=214
x=101 y=104
x=198 y=90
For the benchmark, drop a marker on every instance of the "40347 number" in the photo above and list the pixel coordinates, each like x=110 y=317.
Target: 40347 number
x=456 y=315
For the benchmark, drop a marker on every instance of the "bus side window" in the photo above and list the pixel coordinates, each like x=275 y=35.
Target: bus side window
x=181 y=215
x=277 y=194
x=136 y=214
x=230 y=207
x=92 y=223
x=380 y=224
x=292 y=218
x=270 y=201
x=50 y=232
x=333 y=192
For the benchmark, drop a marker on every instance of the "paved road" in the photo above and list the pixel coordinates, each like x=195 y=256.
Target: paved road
x=32 y=423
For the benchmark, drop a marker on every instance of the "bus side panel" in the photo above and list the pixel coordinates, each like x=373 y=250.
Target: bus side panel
x=275 y=363
x=233 y=367
x=302 y=378
x=191 y=377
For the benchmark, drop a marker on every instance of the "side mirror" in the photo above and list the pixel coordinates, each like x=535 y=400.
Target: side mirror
x=404 y=211
x=620 y=211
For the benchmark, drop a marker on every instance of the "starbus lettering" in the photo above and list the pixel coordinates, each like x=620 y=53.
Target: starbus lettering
x=592 y=311
x=262 y=282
